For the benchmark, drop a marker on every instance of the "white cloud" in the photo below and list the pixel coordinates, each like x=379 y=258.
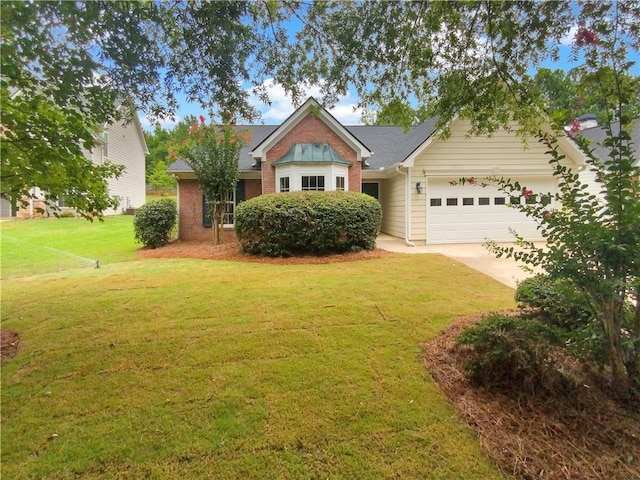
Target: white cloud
x=569 y=37
x=281 y=107
x=166 y=123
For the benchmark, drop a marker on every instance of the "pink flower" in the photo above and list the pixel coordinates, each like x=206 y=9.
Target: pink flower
x=172 y=155
x=202 y=119
x=471 y=180
x=526 y=193
x=548 y=215
x=586 y=37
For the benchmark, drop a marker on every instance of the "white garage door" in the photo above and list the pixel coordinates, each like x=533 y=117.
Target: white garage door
x=474 y=214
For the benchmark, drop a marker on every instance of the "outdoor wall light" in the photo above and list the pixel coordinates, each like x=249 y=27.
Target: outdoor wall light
x=419 y=187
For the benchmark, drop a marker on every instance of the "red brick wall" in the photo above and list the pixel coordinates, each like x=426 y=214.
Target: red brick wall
x=252 y=188
x=190 y=212
x=310 y=130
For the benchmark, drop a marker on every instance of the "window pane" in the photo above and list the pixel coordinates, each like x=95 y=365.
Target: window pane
x=436 y=202
x=483 y=201
x=546 y=199
x=452 y=202
x=499 y=201
x=531 y=200
x=514 y=200
x=284 y=184
x=339 y=183
x=467 y=201
x=313 y=182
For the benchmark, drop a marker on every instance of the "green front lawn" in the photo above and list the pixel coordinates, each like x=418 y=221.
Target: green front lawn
x=30 y=247
x=212 y=369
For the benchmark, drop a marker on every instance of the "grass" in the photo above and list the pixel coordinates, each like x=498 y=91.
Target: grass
x=29 y=247
x=212 y=369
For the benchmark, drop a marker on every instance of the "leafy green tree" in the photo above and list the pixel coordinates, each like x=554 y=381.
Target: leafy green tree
x=396 y=113
x=574 y=93
x=212 y=152
x=70 y=67
x=160 y=179
x=472 y=60
x=157 y=144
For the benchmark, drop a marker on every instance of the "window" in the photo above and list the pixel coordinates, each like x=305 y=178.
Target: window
x=284 y=184
x=467 y=201
x=514 y=200
x=452 y=202
x=499 y=201
x=340 y=183
x=233 y=199
x=105 y=147
x=531 y=200
x=435 y=202
x=483 y=201
x=62 y=201
x=313 y=182
x=545 y=200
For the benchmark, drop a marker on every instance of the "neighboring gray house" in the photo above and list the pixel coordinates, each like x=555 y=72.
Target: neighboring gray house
x=596 y=136
x=410 y=173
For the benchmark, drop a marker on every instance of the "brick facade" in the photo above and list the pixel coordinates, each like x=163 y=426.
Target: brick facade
x=190 y=212
x=252 y=188
x=310 y=130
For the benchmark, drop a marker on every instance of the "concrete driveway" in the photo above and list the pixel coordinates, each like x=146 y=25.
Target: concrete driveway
x=473 y=255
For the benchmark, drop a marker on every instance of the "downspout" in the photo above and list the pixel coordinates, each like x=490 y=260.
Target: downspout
x=407 y=206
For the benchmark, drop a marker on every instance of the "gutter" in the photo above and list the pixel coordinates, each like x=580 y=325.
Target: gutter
x=407 y=206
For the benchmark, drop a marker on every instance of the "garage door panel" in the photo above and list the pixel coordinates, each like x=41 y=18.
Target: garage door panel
x=476 y=223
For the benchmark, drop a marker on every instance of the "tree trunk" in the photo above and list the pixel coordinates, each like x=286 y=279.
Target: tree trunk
x=612 y=321
x=633 y=365
x=217 y=217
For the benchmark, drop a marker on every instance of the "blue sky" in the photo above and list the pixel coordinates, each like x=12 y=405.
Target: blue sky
x=345 y=110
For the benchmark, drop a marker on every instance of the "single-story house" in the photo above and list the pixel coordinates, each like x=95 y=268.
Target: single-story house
x=409 y=172
x=122 y=143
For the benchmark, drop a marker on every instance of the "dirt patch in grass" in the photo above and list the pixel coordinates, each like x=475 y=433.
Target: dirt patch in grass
x=230 y=250
x=585 y=436
x=9 y=342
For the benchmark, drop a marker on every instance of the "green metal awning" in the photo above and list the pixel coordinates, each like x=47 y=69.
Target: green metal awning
x=311 y=153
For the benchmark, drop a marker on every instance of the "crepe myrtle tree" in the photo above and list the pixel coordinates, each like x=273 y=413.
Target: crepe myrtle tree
x=595 y=243
x=212 y=152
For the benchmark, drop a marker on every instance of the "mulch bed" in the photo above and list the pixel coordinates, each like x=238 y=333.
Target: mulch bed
x=9 y=342
x=230 y=250
x=582 y=436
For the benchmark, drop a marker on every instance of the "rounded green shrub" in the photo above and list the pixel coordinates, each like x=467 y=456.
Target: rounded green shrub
x=512 y=354
x=557 y=301
x=316 y=223
x=154 y=222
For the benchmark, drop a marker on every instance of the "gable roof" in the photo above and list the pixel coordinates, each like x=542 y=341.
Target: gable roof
x=311 y=106
x=388 y=145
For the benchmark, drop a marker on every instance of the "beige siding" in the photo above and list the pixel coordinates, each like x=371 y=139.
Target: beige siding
x=392 y=200
x=125 y=148
x=418 y=207
x=502 y=154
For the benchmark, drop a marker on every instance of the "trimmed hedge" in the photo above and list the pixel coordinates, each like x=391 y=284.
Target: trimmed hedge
x=154 y=222
x=317 y=223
